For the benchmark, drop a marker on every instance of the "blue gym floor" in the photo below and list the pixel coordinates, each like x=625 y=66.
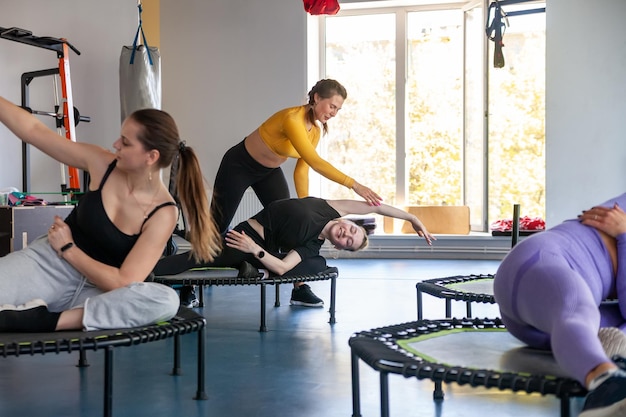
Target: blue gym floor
x=300 y=367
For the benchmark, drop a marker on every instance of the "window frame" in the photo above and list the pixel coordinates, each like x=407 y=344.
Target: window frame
x=401 y=9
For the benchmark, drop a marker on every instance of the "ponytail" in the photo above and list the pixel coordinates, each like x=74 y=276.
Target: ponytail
x=202 y=233
x=161 y=133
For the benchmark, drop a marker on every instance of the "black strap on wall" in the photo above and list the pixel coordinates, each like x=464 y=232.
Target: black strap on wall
x=497 y=22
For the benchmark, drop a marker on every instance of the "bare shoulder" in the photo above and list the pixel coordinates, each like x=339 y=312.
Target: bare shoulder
x=164 y=216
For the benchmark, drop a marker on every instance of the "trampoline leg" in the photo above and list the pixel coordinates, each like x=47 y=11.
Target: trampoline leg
x=384 y=394
x=82 y=359
x=277 y=299
x=263 y=327
x=333 y=293
x=438 y=392
x=448 y=308
x=565 y=403
x=356 y=394
x=200 y=393
x=468 y=305
x=176 y=367
x=108 y=381
x=419 y=304
x=201 y=291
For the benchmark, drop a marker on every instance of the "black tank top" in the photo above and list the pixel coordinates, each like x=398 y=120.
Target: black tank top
x=95 y=234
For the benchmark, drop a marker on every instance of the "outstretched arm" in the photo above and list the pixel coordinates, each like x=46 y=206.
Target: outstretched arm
x=346 y=207
x=296 y=133
x=32 y=131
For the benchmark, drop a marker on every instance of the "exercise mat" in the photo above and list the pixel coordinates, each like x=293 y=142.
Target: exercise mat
x=478 y=286
x=492 y=349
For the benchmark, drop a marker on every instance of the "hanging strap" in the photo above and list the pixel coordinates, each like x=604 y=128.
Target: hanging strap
x=495 y=29
x=145 y=42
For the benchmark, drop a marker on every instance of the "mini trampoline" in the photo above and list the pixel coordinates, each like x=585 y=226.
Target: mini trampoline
x=228 y=276
x=478 y=352
x=468 y=288
x=186 y=321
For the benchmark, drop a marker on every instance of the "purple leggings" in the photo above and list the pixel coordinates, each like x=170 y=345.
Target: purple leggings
x=549 y=289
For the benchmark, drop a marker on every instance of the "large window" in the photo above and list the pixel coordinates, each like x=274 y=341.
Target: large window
x=429 y=120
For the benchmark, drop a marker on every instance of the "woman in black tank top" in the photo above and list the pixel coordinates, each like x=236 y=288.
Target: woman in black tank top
x=113 y=238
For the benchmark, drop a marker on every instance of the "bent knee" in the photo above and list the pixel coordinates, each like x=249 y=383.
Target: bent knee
x=168 y=300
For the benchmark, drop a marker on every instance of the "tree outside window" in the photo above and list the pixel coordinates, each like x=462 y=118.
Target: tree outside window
x=424 y=142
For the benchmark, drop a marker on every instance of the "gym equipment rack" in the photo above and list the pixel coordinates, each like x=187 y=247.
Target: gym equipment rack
x=69 y=118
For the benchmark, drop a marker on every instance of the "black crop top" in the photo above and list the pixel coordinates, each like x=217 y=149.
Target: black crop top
x=95 y=234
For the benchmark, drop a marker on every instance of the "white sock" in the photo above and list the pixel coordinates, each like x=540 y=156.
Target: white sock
x=613 y=341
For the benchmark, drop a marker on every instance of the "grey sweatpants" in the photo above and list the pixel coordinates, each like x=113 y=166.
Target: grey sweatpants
x=37 y=272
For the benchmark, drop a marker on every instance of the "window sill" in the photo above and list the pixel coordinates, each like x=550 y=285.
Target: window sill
x=409 y=246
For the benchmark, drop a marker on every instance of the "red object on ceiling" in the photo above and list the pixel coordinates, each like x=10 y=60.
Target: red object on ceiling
x=317 y=7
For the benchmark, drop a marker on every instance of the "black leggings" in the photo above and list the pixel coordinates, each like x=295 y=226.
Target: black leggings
x=238 y=171
x=233 y=258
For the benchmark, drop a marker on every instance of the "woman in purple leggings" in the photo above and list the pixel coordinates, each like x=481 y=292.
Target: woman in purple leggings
x=550 y=288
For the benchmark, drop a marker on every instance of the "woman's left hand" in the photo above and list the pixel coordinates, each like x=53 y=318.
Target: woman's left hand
x=59 y=234
x=241 y=241
x=420 y=229
x=610 y=220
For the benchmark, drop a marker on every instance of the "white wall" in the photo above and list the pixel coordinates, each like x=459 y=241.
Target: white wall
x=228 y=64
x=98 y=29
x=585 y=105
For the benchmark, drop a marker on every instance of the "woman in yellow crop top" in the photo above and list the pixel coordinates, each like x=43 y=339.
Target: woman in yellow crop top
x=290 y=133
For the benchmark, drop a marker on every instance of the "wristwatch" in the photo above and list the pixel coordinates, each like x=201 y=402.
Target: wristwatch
x=260 y=254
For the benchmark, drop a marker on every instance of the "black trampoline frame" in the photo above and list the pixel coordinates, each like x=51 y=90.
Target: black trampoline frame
x=216 y=277
x=186 y=321
x=438 y=287
x=379 y=349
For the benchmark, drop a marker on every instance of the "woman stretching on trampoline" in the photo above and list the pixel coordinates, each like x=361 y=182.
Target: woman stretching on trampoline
x=88 y=272
x=550 y=288
x=286 y=236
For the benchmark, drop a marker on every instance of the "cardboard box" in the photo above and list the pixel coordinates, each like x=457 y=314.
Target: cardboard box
x=454 y=220
x=20 y=225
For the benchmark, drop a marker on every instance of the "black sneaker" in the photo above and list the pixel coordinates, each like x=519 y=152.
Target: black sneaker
x=608 y=399
x=303 y=296
x=32 y=316
x=188 y=297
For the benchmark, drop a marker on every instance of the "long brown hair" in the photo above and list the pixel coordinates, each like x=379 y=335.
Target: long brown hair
x=161 y=133
x=326 y=88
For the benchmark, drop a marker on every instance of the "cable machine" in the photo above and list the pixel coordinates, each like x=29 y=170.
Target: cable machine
x=65 y=118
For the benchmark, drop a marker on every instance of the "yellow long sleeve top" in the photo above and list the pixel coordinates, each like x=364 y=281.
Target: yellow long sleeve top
x=285 y=133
